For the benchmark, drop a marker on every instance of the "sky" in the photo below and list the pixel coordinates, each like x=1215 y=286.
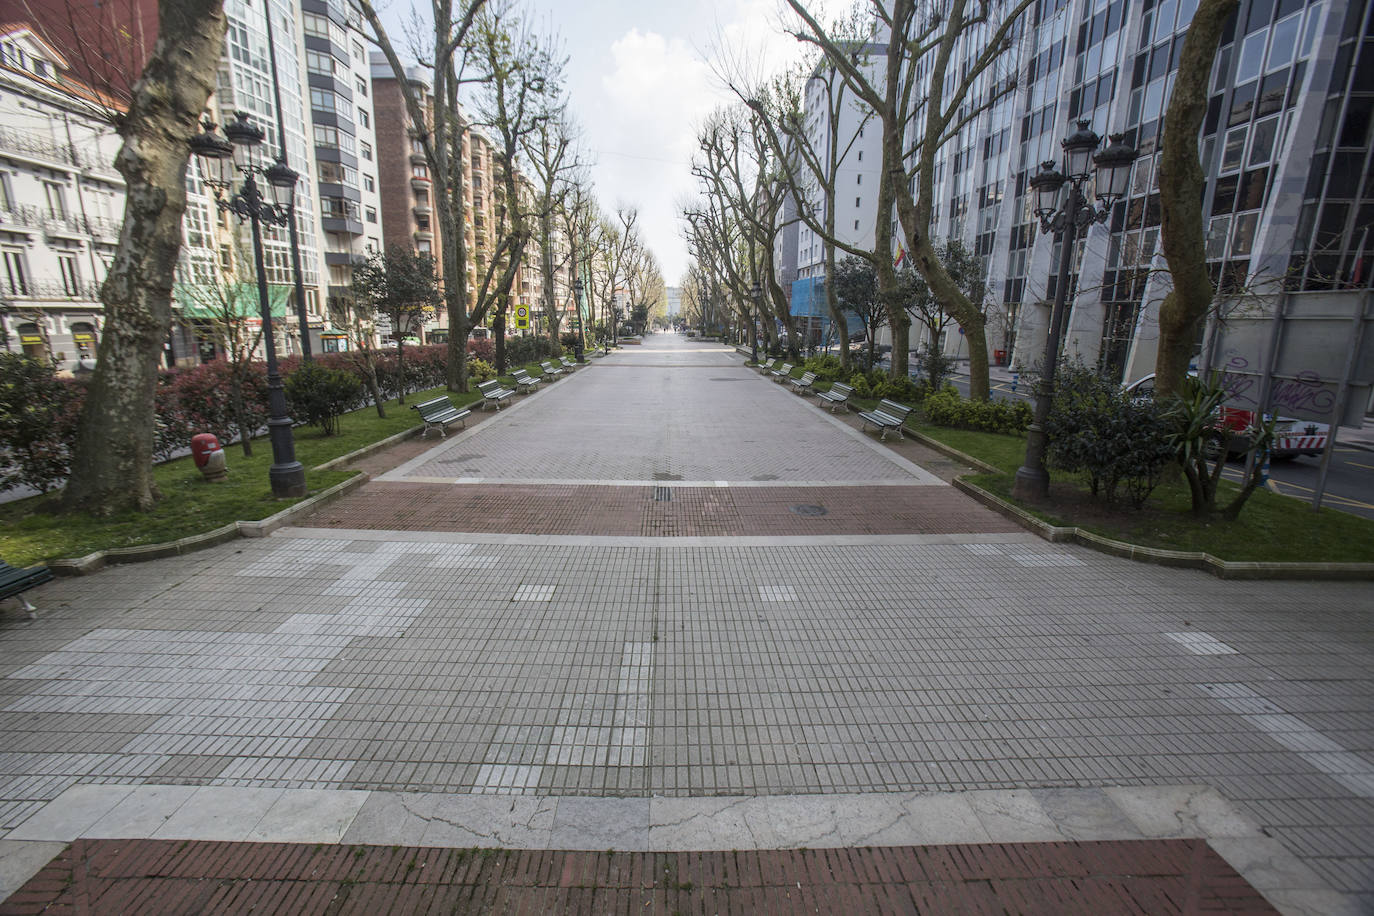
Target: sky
x=640 y=82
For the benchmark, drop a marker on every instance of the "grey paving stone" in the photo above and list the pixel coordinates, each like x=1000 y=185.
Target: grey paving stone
x=141 y=813
x=215 y=813
x=1086 y=814
x=71 y=814
x=601 y=823
x=20 y=860
x=309 y=816
x=1181 y=811
x=1013 y=816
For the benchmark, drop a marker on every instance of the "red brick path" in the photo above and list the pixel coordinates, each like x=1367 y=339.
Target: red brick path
x=634 y=512
x=168 y=876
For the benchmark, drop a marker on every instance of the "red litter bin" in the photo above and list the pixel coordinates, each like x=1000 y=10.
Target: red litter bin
x=999 y=357
x=209 y=457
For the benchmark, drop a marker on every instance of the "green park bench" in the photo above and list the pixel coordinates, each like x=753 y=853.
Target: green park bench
x=493 y=393
x=524 y=381
x=439 y=413
x=15 y=581
x=838 y=395
x=803 y=385
x=887 y=415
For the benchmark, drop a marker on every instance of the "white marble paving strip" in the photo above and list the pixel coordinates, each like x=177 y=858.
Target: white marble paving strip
x=1200 y=643
x=600 y=482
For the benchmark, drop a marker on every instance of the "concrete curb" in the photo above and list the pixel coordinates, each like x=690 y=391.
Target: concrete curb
x=91 y=563
x=1183 y=559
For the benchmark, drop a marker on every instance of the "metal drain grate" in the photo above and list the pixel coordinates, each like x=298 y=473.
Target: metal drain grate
x=807 y=509
x=663 y=494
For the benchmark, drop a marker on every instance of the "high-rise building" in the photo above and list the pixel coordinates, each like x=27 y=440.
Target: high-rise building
x=343 y=133
x=1285 y=147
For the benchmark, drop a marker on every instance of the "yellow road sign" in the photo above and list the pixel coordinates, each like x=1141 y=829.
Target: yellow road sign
x=522 y=317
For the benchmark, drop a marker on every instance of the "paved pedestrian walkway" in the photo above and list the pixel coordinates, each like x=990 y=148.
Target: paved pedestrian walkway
x=702 y=592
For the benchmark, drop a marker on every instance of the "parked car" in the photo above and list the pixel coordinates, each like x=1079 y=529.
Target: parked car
x=1292 y=437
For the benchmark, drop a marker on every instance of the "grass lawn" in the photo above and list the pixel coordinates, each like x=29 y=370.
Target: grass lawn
x=30 y=532
x=1270 y=528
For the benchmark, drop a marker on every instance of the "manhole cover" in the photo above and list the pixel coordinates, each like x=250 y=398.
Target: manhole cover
x=807 y=509
x=664 y=475
x=663 y=494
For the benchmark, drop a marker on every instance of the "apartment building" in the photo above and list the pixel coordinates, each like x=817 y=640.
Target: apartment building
x=305 y=84
x=344 y=137
x=61 y=201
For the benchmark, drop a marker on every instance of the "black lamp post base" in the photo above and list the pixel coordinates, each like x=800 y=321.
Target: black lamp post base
x=1030 y=483
x=288 y=480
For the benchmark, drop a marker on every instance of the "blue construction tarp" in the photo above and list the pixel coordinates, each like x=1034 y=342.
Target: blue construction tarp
x=808 y=301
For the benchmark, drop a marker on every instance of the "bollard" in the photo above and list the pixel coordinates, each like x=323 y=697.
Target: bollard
x=209 y=457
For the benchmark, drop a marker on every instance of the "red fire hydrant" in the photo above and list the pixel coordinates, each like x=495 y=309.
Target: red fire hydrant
x=209 y=457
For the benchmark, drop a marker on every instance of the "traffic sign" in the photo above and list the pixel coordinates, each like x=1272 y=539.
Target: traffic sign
x=522 y=317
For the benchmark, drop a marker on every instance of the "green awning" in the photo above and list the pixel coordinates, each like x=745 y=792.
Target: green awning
x=208 y=303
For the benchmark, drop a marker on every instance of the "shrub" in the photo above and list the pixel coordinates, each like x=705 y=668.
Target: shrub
x=827 y=368
x=38 y=413
x=947 y=408
x=903 y=389
x=479 y=370
x=1095 y=429
x=482 y=349
x=320 y=395
x=200 y=399
x=521 y=350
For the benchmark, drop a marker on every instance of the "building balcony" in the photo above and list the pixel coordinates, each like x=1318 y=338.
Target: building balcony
x=338 y=257
x=419 y=159
x=350 y=225
x=54 y=291
x=418 y=183
x=424 y=235
x=422 y=209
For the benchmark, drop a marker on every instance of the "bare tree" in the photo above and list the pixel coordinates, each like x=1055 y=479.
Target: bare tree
x=112 y=461
x=919 y=53
x=442 y=132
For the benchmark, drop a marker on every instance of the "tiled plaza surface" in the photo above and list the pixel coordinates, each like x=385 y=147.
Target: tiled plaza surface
x=541 y=658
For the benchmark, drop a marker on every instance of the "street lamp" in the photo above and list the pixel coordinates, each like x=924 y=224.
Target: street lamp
x=286 y=473
x=757 y=293
x=1113 y=166
x=581 y=325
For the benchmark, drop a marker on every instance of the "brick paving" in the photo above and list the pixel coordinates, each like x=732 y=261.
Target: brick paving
x=1155 y=877
x=659 y=511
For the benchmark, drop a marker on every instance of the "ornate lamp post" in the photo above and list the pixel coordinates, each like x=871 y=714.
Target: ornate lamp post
x=757 y=294
x=1076 y=215
x=221 y=159
x=581 y=324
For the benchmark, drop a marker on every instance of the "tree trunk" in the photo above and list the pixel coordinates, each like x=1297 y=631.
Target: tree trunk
x=240 y=411
x=1181 y=185
x=400 y=367
x=112 y=461
x=498 y=330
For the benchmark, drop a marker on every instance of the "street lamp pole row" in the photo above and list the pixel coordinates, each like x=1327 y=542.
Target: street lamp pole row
x=220 y=158
x=1077 y=214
